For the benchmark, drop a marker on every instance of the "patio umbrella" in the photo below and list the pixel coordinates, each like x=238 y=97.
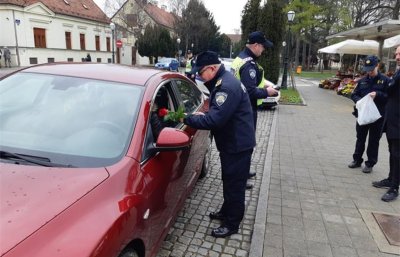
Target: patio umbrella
x=391 y=42
x=352 y=46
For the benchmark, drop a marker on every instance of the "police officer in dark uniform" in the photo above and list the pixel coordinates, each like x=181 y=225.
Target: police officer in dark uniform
x=392 y=129
x=251 y=74
x=375 y=85
x=230 y=120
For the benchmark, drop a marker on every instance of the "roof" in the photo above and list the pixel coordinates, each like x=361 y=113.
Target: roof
x=99 y=71
x=380 y=30
x=160 y=16
x=86 y=9
x=234 y=37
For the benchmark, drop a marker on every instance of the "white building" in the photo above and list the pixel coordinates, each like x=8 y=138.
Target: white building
x=54 y=31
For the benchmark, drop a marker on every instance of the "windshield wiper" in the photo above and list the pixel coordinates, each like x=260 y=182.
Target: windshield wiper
x=42 y=161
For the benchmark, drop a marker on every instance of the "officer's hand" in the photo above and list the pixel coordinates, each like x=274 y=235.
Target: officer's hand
x=271 y=91
x=372 y=94
x=198 y=113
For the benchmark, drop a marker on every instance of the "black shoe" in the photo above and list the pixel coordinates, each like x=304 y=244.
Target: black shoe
x=216 y=216
x=252 y=174
x=249 y=186
x=383 y=183
x=223 y=232
x=367 y=169
x=390 y=195
x=354 y=164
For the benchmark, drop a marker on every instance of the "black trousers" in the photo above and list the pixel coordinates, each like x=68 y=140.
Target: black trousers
x=235 y=169
x=373 y=131
x=394 y=162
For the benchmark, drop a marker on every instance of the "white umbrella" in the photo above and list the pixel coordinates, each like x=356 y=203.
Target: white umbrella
x=391 y=42
x=352 y=46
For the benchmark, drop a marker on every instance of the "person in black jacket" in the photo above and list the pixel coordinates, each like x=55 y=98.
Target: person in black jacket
x=392 y=129
x=375 y=85
x=230 y=119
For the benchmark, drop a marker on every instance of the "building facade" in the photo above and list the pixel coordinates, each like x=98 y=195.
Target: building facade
x=54 y=31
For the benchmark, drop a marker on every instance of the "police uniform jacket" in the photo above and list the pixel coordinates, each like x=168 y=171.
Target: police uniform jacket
x=251 y=76
x=366 y=85
x=392 y=115
x=230 y=117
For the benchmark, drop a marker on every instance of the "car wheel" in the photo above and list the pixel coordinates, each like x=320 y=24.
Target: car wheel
x=206 y=161
x=129 y=252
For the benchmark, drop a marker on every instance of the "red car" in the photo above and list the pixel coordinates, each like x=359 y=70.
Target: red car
x=88 y=167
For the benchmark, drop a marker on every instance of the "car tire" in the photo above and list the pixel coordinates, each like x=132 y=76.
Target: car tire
x=206 y=161
x=129 y=252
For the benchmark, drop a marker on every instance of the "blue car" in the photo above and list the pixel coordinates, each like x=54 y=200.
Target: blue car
x=165 y=63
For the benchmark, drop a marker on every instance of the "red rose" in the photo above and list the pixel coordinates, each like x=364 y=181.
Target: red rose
x=162 y=112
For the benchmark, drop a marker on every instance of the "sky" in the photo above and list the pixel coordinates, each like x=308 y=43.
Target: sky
x=227 y=13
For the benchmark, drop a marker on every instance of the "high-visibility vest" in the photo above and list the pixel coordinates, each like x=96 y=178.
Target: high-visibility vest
x=189 y=65
x=237 y=65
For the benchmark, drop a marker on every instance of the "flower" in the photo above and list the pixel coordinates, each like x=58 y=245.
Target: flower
x=162 y=112
x=175 y=116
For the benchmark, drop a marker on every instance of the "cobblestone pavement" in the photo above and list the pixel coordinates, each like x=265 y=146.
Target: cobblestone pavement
x=190 y=235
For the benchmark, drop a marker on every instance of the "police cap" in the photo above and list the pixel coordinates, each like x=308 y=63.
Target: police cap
x=371 y=61
x=203 y=59
x=258 y=37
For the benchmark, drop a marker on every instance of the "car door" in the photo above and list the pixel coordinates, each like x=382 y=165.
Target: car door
x=162 y=171
x=192 y=100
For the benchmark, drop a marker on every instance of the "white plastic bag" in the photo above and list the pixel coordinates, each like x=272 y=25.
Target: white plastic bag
x=367 y=110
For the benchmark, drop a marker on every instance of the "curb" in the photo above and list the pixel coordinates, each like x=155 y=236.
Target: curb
x=257 y=239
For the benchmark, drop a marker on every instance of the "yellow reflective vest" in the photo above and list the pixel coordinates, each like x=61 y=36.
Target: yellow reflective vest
x=237 y=65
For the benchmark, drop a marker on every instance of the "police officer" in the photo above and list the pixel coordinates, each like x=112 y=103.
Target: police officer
x=392 y=129
x=230 y=120
x=251 y=74
x=375 y=85
x=189 y=63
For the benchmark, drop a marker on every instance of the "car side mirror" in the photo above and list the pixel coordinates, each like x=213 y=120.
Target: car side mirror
x=171 y=139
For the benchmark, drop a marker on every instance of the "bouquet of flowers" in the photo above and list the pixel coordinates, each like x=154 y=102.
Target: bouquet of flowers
x=170 y=115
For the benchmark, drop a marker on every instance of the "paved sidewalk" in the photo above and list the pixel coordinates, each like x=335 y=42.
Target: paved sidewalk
x=315 y=203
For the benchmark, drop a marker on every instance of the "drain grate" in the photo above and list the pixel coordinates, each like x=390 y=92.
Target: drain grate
x=390 y=226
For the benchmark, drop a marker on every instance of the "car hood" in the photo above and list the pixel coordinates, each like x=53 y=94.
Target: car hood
x=32 y=196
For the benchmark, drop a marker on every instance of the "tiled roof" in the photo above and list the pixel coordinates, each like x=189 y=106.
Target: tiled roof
x=85 y=9
x=160 y=16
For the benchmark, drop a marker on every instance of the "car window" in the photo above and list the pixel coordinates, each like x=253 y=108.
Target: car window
x=191 y=96
x=62 y=116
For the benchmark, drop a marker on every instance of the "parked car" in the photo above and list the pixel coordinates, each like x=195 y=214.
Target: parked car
x=82 y=172
x=165 y=63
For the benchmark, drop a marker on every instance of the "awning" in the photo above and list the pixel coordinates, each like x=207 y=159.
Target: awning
x=352 y=46
x=377 y=31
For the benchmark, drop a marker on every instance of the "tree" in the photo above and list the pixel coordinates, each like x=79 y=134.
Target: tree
x=197 y=26
x=250 y=18
x=178 y=6
x=225 y=46
x=156 y=41
x=272 y=22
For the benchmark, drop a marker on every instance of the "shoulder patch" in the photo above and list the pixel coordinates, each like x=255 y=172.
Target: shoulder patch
x=220 y=98
x=252 y=73
x=219 y=82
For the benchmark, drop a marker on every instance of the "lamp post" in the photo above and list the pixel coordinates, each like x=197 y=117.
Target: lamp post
x=112 y=27
x=178 y=40
x=290 y=16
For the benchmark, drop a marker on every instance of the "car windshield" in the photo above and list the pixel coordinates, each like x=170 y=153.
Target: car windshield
x=72 y=121
x=165 y=60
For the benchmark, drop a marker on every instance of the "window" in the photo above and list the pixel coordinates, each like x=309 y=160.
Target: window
x=50 y=60
x=70 y=59
x=33 y=60
x=82 y=40
x=191 y=96
x=39 y=37
x=68 y=40
x=108 y=44
x=98 y=59
x=97 y=39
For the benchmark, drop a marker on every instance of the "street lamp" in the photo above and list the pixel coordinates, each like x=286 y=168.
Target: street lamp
x=112 y=27
x=178 y=40
x=290 y=16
